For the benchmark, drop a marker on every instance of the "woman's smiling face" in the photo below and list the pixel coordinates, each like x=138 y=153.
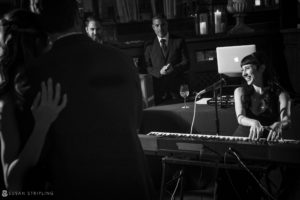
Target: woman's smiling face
x=251 y=73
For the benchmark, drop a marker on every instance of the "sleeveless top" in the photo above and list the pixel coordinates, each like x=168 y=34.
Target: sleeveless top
x=267 y=117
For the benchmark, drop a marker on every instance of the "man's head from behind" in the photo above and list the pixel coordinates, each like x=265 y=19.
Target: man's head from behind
x=59 y=16
x=160 y=25
x=93 y=28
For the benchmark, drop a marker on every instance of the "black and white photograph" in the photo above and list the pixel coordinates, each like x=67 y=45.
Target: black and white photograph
x=150 y=99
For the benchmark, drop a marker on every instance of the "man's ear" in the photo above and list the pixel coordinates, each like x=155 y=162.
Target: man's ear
x=8 y=38
x=153 y=27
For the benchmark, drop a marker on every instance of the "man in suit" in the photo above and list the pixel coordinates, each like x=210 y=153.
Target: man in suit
x=92 y=150
x=166 y=60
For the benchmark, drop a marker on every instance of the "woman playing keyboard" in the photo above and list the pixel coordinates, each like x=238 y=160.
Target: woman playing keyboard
x=261 y=105
x=262 y=110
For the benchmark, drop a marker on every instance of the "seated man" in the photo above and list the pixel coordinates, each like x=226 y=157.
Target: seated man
x=166 y=60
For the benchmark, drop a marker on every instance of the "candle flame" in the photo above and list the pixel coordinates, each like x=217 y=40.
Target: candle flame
x=217 y=12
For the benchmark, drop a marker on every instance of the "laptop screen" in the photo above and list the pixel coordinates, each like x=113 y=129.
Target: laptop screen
x=229 y=58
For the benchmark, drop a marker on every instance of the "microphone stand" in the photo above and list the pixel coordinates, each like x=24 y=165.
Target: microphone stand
x=216 y=109
x=215 y=97
x=221 y=99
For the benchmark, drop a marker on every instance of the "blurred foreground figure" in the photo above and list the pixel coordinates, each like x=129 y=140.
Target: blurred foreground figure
x=93 y=151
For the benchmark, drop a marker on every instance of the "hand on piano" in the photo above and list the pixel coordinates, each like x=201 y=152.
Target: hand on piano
x=256 y=130
x=275 y=131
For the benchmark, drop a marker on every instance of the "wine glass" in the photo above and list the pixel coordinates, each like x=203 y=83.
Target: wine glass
x=184 y=93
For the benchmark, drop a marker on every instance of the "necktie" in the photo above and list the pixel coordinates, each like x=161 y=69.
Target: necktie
x=163 y=46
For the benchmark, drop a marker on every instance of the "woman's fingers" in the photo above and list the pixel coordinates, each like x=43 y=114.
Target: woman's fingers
x=52 y=96
x=274 y=135
x=252 y=135
x=258 y=133
x=255 y=133
x=279 y=135
x=57 y=93
x=49 y=89
x=261 y=130
x=63 y=102
x=44 y=93
x=275 y=132
x=36 y=101
x=48 y=103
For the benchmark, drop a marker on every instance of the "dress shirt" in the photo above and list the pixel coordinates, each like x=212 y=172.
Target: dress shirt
x=164 y=43
x=166 y=38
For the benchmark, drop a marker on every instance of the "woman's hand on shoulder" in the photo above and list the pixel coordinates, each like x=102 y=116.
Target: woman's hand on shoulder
x=48 y=103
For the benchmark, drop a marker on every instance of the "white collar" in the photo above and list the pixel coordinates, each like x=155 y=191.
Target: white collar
x=166 y=38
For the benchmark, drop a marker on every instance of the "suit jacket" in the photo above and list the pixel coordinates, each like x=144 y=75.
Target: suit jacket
x=176 y=55
x=92 y=149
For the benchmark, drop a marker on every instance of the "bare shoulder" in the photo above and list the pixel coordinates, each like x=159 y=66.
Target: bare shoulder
x=239 y=91
x=284 y=96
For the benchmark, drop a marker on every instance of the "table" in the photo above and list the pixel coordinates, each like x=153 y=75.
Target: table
x=173 y=118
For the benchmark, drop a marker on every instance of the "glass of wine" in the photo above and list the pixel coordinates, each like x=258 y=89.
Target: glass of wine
x=184 y=93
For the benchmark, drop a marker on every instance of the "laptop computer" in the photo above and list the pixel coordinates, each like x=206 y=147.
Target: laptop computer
x=229 y=58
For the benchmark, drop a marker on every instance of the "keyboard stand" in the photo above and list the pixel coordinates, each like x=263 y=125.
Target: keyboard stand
x=182 y=162
x=203 y=163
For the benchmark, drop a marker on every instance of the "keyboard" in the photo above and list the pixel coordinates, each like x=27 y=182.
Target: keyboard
x=285 y=151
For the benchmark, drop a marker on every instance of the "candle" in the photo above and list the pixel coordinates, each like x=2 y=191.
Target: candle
x=203 y=28
x=218 y=16
x=257 y=3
